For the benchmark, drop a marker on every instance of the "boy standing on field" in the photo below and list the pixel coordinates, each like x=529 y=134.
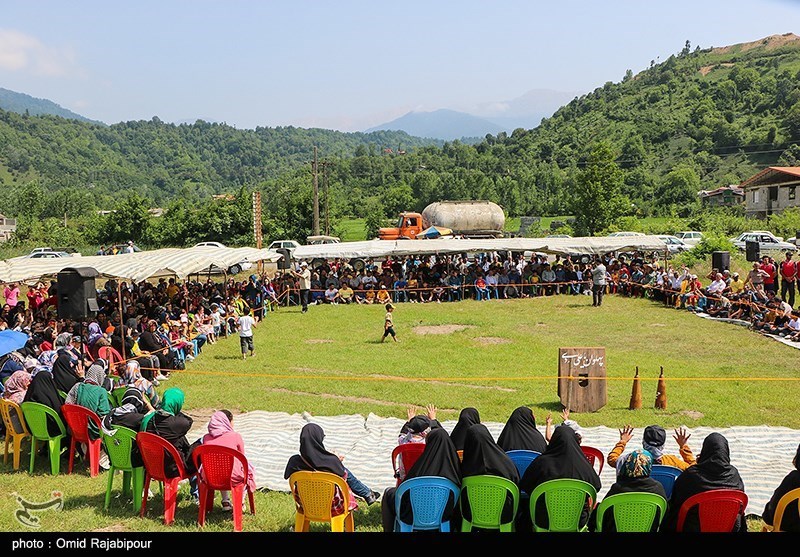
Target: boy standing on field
x=246 y=324
x=388 y=324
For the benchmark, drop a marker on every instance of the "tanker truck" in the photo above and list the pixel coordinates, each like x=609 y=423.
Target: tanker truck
x=471 y=219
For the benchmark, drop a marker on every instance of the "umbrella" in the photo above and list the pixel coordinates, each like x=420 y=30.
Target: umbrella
x=434 y=232
x=11 y=340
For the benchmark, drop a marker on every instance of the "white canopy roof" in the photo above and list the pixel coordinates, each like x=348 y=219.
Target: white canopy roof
x=138 y=266
x=383 y=248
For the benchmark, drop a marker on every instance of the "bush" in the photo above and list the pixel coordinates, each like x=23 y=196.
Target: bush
x=703 y=250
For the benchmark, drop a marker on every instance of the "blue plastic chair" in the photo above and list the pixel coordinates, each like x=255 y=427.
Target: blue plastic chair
x=522 y=459
x=429 y=496
x=666 y=475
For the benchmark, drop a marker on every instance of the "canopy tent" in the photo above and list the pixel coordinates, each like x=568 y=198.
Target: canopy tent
x=564 y=246
x=139 y=266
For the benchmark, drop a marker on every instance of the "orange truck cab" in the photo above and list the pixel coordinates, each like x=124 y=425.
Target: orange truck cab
x=408 y=226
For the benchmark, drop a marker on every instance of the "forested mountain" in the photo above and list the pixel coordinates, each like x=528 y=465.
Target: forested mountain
x=638 y=147
x=26 y=104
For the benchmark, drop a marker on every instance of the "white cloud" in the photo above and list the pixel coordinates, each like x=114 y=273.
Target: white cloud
x=20 y=52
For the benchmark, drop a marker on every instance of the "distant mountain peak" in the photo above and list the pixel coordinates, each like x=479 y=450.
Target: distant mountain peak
x=443 y=124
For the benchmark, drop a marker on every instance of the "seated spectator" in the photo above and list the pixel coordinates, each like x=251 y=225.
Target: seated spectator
x=633 y=476
x=482 y=291
x=437 y=293
x=520 y=433
x=791 y=519
x=331 y=295
x=345 y=294
x=315 y=457
x=712 y=471
x=466 y=418
x=653 y=440
x=382 y=296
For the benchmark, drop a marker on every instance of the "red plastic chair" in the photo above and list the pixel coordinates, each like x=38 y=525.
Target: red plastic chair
x=717 y=509
x=153 y=450
x=594 y=455
x=77 y=419
x=405 y=455
x=217 y=467
x=111 y=355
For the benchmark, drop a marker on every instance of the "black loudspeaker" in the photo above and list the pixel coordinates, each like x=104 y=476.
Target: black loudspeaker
x=77 y=293
x=358 y=264
x=284 y=262
x=721 y=260
x=752 y=250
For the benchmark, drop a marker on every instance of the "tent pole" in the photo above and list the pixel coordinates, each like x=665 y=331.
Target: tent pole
x=121 y=315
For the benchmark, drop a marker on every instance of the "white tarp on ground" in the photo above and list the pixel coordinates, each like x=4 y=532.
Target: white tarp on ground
x=138 y=266
x=763 y=455
x=384 y=248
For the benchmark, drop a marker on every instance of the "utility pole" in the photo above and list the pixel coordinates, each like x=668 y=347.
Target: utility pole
x=325 y=166
x=316 y=193
x=257 y=233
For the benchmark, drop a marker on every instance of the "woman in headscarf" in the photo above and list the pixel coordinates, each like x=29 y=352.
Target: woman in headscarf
x=563 y=458
x=90 y=393
x=314 y=456
x=221 y=433
x=633 y=475
x=133 y=407
x=712 y=471
x=66 y=371
x=418 y=425
x=520 y=432
x=482 y=456
x=132 y=377
x=791 y=520
x=47 y=358
x=172 y=424
x=468 y=417
x=94 y=333
x=43 y=390
x=438 y=459
x=17 y=385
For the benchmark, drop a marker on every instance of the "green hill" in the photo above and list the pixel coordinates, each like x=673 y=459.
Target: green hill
x=25 y=104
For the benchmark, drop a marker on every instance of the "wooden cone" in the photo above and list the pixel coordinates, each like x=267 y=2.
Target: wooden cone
x=636 y=393
x=661 y=392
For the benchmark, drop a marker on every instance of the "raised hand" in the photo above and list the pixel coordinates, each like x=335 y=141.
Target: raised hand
x=431 y=411
x=626 y=433
x=681 y=436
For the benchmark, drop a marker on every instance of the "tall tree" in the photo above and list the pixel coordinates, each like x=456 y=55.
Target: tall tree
x=598 y=200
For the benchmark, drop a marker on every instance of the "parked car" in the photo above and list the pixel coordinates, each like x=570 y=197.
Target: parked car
x=690 y=237
x=234 y=269
x=48 y=255
x=291 y=245
x=674 y=244
x=766 y=241
x=315 y=240
x=624 y=233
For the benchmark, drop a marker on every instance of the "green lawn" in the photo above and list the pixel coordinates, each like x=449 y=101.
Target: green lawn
x=330 y=361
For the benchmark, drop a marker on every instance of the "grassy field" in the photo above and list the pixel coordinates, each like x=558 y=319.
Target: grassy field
x=330 y=362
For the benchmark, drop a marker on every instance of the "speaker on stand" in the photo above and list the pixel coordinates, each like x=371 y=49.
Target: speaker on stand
x=721 y=260
x=752 y=251
x=77 y=296
x=284 y=262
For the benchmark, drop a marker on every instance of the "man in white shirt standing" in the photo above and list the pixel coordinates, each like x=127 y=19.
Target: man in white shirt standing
x=305 y=284
x=246 y=324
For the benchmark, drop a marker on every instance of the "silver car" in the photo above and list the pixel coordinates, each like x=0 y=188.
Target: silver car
x=766 y=241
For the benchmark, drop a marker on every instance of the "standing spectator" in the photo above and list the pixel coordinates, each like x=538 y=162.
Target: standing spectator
x=770 y=280
x=598 y=271
x=304 y=276
x=245 y=326
x=11 y=294
x=788 y=278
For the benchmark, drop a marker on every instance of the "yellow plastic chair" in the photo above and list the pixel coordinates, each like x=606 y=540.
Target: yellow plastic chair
x=313 y=495
x=788 y=498
x=16 y=428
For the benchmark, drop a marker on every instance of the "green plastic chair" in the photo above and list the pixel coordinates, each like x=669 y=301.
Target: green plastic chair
x=36 y=417
x=565 y=500
x=633 y=511
x=115 y=396
x=118 y=448
x=486 y=496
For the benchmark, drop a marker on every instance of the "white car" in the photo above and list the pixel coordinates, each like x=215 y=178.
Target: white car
x=48 y=255
x=690 y=237
x=674 y=244
x=234 y=269
x=624 y=233
x=766 y=241
x=291 y=245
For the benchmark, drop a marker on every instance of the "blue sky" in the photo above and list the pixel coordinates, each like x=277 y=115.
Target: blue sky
x=346 y=65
